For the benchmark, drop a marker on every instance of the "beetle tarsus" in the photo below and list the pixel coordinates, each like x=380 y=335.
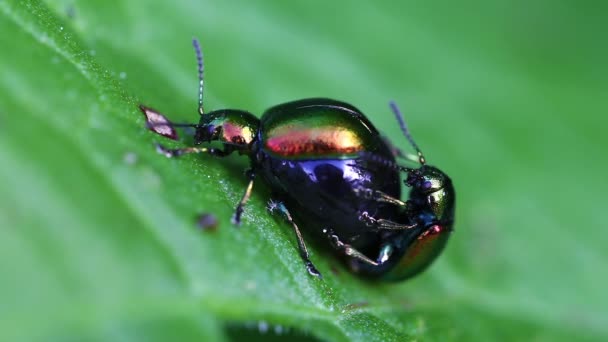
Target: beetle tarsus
x=347 y=249
x=169 y=153
x=378 y=196
x=236 y=217
x=176 y=152
x=383 y=224
x=310 y=267
x=312 y=270
x=272 y=206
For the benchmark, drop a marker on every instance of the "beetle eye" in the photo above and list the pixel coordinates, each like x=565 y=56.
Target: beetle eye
x=210 y=130
x=427 y=185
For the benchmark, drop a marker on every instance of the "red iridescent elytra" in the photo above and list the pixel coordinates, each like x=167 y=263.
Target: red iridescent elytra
x=315 y=131
x=292 y=141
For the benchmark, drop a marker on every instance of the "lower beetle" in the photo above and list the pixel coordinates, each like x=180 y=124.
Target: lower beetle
x=331 y=171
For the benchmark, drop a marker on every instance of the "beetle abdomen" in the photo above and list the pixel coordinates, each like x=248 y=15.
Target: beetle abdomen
x=324 y=192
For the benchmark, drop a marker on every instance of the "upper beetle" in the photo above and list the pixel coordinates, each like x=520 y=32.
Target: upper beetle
x=332 y=172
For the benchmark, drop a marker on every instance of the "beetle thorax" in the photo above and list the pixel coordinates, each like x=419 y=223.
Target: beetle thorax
x=234 y=127
x=433 y=195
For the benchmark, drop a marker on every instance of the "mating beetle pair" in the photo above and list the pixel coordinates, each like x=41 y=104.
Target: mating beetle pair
x=331 y=171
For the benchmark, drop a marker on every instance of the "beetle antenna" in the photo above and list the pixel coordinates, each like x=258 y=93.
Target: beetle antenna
x=201 y=70
x=375 y=158
x=406 y=131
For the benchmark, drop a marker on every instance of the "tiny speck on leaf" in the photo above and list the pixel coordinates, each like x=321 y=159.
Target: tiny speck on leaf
x=130 y=158
x=158 y=123
x=207 y=221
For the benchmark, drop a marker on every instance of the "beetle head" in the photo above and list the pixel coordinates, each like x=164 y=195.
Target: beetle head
x=427 y=179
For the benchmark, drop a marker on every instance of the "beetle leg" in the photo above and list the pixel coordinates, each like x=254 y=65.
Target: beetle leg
x=170 y=153
x=236 y=218
x=379 y=196
x=347 y=249
x=382 y=224
x=383 y=256
x=272 y=206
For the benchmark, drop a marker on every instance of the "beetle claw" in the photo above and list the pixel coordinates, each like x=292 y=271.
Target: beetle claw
x=236 y=218
x=334 y=240
x=272 y=206
x=312 y=270
x=163 y=150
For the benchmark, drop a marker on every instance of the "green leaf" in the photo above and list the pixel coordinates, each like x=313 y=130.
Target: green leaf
x=98 y=237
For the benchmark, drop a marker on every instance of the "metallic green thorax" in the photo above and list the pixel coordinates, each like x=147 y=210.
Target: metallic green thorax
x=437 y=190
x=317 y=128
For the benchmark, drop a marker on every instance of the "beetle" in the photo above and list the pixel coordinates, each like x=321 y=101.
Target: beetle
x=331 y=172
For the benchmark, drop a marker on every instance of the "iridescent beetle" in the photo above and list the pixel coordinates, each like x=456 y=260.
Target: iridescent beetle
x=331 y=171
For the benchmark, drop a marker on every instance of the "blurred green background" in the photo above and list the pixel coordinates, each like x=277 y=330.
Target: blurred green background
x=97 y=237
